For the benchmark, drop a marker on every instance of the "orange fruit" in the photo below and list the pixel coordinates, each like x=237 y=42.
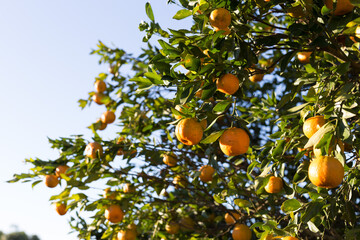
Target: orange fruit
x=100 y=125
x=128 y=234
x=187 y=223
x=234 y=141
x=60 y=208
x=180 y=108
x=232 y=218
x=275 y=185
x=100 y=86
x=189 y=131
x=342 y=6
x=227 y=30
x=317 y=151
x=311 y=125
x=98 y=97
x=120 y=140
x=256 y=77
x=228 y=84
x=172 y=227
x=290 y=238
x=304 y=57
x=206 y=173
x=114 y=214
x=241 y=232
x=108 y=194
x=326 y=172
x=220 y=18
x=170 y=160
x=51 y=181
x=92 y=150
x=203 y=123
x=128 y=188
x=180 y=181
x=61 y=170
x=108 y=117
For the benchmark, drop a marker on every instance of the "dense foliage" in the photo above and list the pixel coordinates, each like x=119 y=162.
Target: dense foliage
x=182 y=69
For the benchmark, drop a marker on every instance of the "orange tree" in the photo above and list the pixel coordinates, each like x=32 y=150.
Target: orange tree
x=218 y=126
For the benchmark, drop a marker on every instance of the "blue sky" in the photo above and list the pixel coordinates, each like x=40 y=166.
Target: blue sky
x=45 y=67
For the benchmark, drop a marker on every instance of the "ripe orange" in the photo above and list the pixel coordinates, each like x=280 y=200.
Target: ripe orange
x=304 y=57
x=170 y=160
x=60 y=208
x=342 y=6
x=108 y=194
x=311 y=125
x=128 y=234
x=172 y=227
x=220 y=18
x=241 y=232
x=232 y=218
x=92 y=150
x=120 y=140
x=206 y=173
x=203 y=123
x=98 y=97
x=61 y=170
x=256 y=77
x=228 y=84
x=234 y=141
x=128 y=188
x=189 y=131
x=51 y=181
x=100 y=86
x=101 y=125
x=179 y=181
x=326 y=172
x=108 y=117
x=275 y=185
x=317 y=151
x=114 y=214
x=227 y=30
x=290 y=238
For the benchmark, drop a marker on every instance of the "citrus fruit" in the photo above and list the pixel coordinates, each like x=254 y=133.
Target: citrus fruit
x=232 y=218
x=93 y=149
x=256 y=77
x=179 y=181
x=220 y=18
x=311 y=125
x=189 y=131
x=128 y=234
x=234 y=141
x=203 y=123
x=228 y=84
x=290 y=238
x=108 y=117
x=275 y=185
x=61 y=170
x=108 y=194
x=128 y=188
x=98 y=97
x=180 y=108
x=172 y=227
x=170 y=160
x=206 y=173
x=114 y=214
x=227 y=30
x=304 y=57
x=100 y=86
x=60 y=208
x=100 y=125
x=241 y=232
x=342 y=6
x=51 y=181
x=326 y=172
x=191 y=62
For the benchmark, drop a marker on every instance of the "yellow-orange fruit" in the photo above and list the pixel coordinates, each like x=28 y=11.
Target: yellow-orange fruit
x=128 y=188
x=97 y=98
x=114 y=214
x=180 y=181
x=61 y=170
x=93 y=149
x=227 y=30
x=342 y=6
x=232 y=218
x=101 y=125
x=234 y=141
x=312 y=125
x=275 y=185
x=256 y=77
x=241 y=232
x=206 y=173
x=108 y=194
x=170 y=160
x=60 y=208
x=304 y=57
x=51 y=181
x=326 y=172
x=100 y=86
x=128 y=234
x=228 y=84
x=172 y=227
x=290 y=238
x=220 y=18
x=108 y=117
x=203 y=123
x=189 y=131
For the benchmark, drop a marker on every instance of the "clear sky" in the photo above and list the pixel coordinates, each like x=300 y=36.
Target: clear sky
x=45 y=67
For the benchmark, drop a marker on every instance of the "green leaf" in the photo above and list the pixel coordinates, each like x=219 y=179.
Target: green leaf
x=183 y=13
x=242 y=203
x=328 y=127
x=312 y=227
x=221 y=107
x=218 y=199
x=212 y=137
x=290 y=205
x=149 y=11
x=311 y=211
